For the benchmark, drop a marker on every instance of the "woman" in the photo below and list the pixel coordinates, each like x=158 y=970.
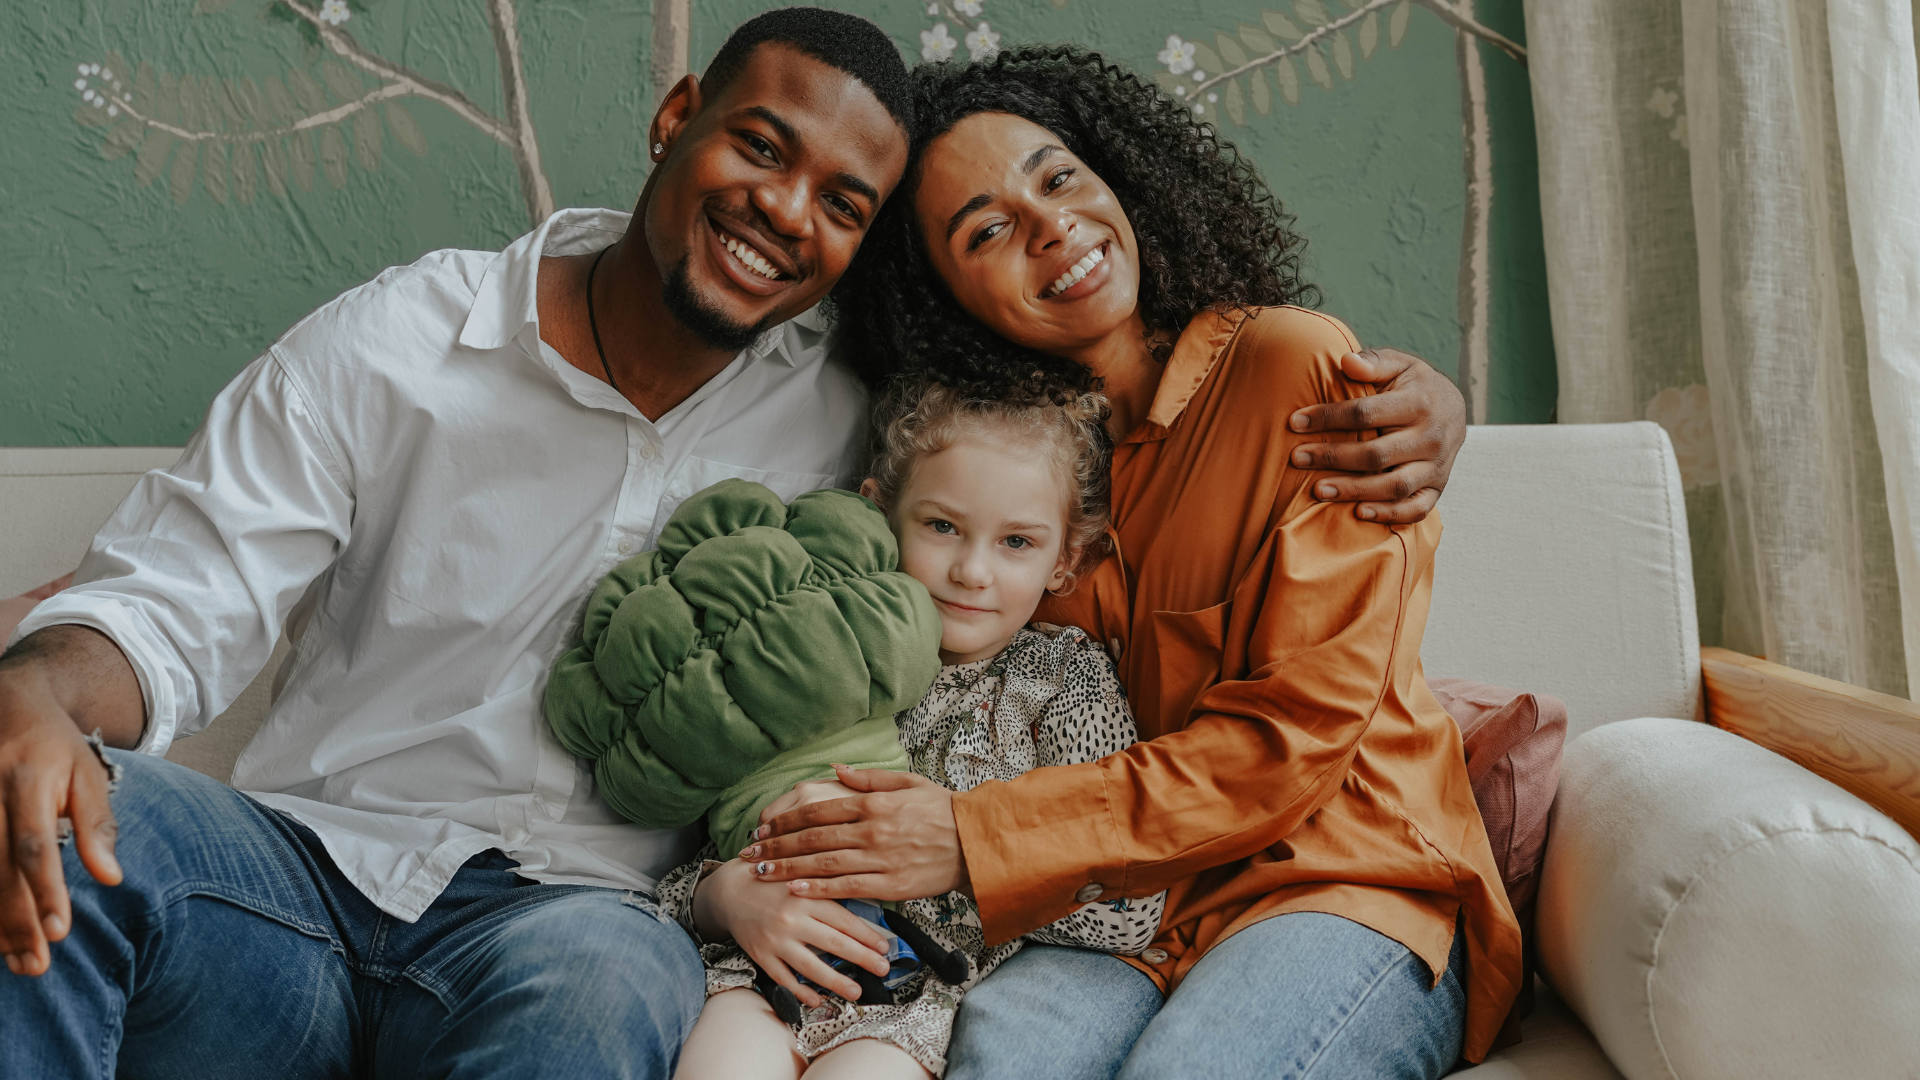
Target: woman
x=1334 y=908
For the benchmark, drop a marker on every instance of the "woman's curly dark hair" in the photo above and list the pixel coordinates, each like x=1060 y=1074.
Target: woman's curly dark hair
x=1211 y=235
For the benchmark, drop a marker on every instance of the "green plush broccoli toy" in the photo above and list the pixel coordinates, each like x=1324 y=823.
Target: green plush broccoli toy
x=758 y=645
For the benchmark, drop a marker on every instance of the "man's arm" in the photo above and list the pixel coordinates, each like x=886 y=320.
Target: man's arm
x=56 y=685
x=1422 y=421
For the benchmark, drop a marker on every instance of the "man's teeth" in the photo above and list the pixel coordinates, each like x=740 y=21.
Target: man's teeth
x=752 y=259
x=1077 y=271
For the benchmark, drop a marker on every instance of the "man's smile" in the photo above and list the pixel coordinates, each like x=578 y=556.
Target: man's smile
x=750 y=261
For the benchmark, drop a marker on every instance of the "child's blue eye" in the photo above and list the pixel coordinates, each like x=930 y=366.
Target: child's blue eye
x=1018 y=542
x=944 y=528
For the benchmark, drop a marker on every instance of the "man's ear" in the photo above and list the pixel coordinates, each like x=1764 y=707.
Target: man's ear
x=675 y=113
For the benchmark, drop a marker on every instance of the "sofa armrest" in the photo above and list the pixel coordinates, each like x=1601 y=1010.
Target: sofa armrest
x=1866 y=742
x=1714 y=911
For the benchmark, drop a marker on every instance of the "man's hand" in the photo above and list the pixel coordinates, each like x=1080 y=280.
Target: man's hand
x=780 y=931
x=1422 y=421
x=52 y=685
x=898 y=841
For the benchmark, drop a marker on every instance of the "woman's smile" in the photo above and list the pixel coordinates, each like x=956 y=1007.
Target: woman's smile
x=1084 y=277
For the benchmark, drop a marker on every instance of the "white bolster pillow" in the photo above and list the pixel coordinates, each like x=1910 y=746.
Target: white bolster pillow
x=1713 y=910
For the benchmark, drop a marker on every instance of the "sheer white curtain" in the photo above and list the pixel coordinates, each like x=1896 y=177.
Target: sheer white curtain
x=1730 y=192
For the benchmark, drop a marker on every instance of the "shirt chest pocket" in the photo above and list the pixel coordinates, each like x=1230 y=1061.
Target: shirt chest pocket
x=1190 y=647
x=697 y=474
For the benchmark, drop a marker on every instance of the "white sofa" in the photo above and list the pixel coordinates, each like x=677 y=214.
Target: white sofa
x=1708 y=908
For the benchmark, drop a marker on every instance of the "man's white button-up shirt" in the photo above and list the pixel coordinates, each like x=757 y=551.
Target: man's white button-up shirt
x=437 y=491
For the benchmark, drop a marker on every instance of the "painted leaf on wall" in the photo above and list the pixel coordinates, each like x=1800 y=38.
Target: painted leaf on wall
x=333 y=155
x=366 y=139
x=184 y=161
x=1311 y=12
x=1343 y=54
x=1397 y=23
x=1369 y=33
x=1317 y=67
x=1208 y=60
x=1236 y=103
x=1230 y=51
x=1289 y=79
x=1281 y=25
x=1257 y=39
x=404 y=129
x=1257 y=91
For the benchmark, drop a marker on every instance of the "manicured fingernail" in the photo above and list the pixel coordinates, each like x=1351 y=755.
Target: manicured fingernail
x=763 y=868
x=1302 y=459
x=761 y=832
x=752 y=852
x=800 y=886
x=1366 y=512
x=1325 y=491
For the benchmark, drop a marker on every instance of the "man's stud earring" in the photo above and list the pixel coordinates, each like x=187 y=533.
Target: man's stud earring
x=659 y=148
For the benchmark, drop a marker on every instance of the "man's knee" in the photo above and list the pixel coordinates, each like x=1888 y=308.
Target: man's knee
x=595 y=958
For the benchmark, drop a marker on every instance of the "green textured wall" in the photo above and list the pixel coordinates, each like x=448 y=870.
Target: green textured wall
x=129 y=292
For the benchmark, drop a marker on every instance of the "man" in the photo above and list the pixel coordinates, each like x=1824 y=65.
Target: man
x=424 y=479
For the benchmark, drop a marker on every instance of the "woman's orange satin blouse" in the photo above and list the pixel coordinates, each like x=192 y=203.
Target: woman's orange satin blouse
x=1291 y=756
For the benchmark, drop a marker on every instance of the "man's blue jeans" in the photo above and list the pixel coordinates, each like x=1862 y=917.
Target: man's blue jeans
x=1298 y=997
x=235 y=948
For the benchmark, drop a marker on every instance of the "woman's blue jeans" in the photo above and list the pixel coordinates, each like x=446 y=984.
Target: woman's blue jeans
x=235 y=948
x=1304 y=996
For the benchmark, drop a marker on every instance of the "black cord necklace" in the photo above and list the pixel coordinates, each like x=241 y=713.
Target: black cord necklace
x=595 y=323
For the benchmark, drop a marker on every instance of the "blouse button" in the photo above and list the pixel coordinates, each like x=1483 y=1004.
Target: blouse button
x=1089 y=893
x=627 y=544
x=1154 y=956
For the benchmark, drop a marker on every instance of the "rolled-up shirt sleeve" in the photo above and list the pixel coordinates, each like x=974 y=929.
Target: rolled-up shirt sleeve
x=195 y=572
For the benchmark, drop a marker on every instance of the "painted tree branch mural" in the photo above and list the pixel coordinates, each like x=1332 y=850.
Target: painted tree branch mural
x=211 y=128
x=1235 y=74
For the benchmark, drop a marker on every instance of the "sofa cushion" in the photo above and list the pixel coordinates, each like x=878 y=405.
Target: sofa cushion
x=1711 y=910
x=1513 y=741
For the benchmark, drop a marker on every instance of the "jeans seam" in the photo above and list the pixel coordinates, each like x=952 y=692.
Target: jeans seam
x=212 y=891
x=1359 y=1002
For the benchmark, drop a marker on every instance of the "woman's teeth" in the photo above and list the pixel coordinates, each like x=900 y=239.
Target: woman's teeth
x=751 y=258
x=1077 y=271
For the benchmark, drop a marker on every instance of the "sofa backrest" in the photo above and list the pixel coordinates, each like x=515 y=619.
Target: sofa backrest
x=53 y=499
x=1565 y=569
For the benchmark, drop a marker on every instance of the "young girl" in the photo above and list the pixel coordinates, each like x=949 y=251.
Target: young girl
x=994 y=504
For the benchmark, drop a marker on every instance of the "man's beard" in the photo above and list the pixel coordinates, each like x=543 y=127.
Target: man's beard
x=707 y=322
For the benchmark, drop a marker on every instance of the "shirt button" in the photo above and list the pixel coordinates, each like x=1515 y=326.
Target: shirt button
x=1089 y=893
x=1154 y=956
x=627 y=544
x=649 y=451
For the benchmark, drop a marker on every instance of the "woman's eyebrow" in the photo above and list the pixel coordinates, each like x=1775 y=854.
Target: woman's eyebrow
x=1034 y=159
x=976 y=203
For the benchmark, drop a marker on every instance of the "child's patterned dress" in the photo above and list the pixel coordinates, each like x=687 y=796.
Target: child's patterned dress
x=1046 y=699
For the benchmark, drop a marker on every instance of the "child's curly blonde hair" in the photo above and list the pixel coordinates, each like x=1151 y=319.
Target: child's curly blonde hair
x=918 y=416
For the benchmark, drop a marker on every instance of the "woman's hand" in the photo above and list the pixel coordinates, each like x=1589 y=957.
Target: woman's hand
x=805 y=793
x=898 y=841
x=780 y=931
x=1422 y=421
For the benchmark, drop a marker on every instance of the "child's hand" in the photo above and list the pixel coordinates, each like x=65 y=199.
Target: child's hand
x=803 y=793
x=780 y=931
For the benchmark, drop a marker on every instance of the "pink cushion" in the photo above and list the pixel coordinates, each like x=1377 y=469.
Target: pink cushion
x=1513 y=761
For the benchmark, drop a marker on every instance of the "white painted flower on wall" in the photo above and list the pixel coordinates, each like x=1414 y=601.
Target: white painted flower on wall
x=937 y=43
x=969 y=8
x=1685 y=413
x=1178 y=55
x=983 y=42
x=334 y=12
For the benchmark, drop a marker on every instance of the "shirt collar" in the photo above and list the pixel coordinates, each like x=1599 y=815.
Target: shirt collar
x=1194 y=355
x=506 y=304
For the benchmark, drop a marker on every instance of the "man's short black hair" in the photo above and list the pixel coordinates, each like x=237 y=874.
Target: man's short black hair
x=835 y=38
